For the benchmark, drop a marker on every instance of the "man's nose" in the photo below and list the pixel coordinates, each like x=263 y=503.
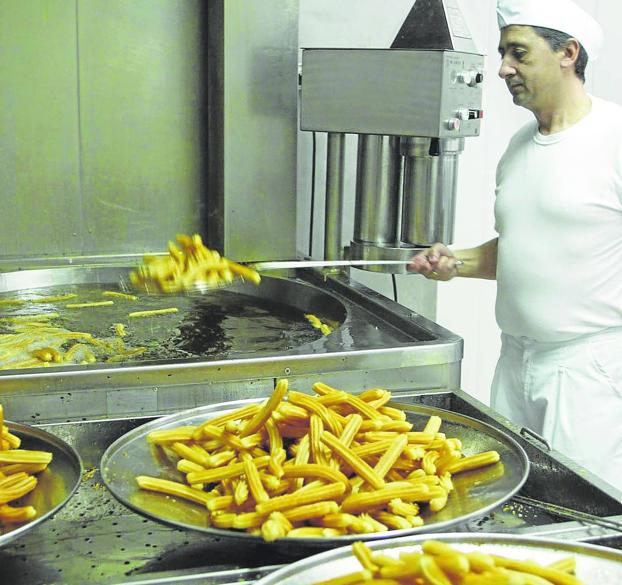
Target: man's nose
x=505 y=70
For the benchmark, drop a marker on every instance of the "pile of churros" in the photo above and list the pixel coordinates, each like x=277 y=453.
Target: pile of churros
x=188 y=267
x=317 y=323
x=439 y=563
x=17 y=475
x=326 y=465
x=34 y=341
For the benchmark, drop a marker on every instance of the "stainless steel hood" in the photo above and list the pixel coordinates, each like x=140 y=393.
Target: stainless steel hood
x=435 y=24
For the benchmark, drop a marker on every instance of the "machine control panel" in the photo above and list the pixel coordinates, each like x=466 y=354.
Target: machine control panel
x=399 y=92
x=462 y=93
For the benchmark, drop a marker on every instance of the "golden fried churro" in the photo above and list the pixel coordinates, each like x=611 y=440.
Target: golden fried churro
x=88 y=305
x=54 y=299
x=119 y=295
x=172 y=488
x=355 y=462
x=153 y=312
x=474 y=462
x=316 y=471
x=266 y=411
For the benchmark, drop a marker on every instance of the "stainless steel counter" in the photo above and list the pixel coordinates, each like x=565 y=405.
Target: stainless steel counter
x=377 y=343
x=95 y=539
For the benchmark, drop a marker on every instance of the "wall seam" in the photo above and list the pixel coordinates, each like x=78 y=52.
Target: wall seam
x=82 y=226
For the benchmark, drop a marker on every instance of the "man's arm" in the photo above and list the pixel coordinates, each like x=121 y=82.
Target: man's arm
x=440 y=263
x=480 y=262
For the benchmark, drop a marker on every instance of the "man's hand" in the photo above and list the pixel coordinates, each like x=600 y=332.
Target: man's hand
x=436 y=263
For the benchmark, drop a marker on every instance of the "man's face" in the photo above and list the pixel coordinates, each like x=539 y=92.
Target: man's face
x=530 y=68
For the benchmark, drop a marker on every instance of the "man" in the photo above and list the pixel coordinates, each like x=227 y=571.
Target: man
x=558 y=255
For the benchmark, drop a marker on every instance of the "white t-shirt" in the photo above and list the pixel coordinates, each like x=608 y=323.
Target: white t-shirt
x=558 y=214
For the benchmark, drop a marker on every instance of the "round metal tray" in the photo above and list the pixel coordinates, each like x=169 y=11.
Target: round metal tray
x=475 y=492
x=595 y=565
x=55 y=485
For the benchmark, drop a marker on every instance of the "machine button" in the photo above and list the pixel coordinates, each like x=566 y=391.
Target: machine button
x=453 y=124
x=463 y=114
x=467 y=77
x=471 y=77
x=472 y=82
x=475 y=115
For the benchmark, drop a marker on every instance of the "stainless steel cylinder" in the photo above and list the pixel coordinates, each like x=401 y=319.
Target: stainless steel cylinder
x=378 y=175
x=429 y=195
x=335 y=152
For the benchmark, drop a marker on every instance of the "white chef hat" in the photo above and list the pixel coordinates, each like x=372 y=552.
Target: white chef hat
x=562 y=15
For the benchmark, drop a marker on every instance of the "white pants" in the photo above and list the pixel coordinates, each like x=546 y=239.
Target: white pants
x=570 y=393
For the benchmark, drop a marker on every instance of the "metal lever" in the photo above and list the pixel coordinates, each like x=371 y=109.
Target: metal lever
x=282 y=264
x=569 y=513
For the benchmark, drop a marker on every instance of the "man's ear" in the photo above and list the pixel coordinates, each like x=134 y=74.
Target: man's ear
x=570 y=53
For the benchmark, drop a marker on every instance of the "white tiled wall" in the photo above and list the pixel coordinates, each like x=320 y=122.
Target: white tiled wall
x=463 y=306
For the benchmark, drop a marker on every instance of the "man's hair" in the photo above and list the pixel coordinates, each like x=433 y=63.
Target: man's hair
x=557 y=40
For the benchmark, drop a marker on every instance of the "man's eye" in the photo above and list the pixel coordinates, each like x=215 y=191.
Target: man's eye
x=519 y=55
